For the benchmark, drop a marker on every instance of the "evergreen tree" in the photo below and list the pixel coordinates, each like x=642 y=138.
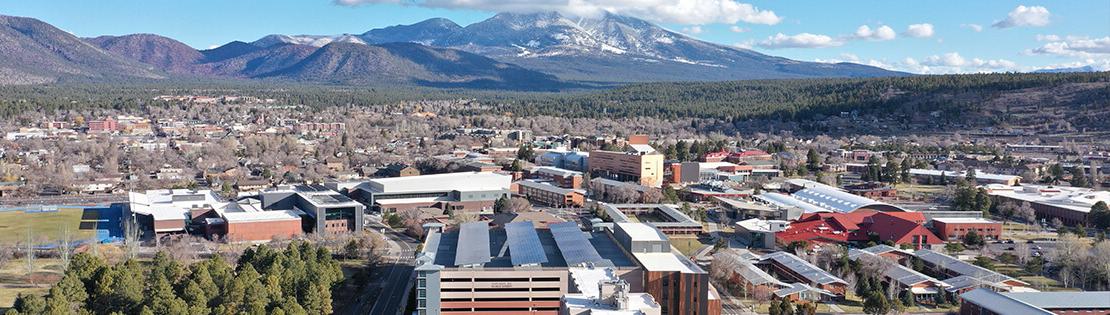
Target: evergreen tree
x=983 y=202
x=813 y=160
x=1100 y=215
x=29 y=304
x=941 y=298
x=906 y=166
x=876 y=304
x=1079 y=177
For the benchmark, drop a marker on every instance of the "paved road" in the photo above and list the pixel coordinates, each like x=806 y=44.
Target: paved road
x=397 y=274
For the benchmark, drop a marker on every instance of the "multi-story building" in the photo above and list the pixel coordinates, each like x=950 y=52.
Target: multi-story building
x=570 y=160
x=933 y=177
x=469 y=270
x=663 y=217
x=464 y=191
x=180 y=211
x=545 y=193
x=954 y=229
x=1071 y=205
x=106 y=125
x=325 y=210
x=558 y=177
x=639 y=163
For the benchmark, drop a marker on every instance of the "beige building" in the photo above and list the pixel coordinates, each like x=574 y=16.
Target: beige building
x=638 y=162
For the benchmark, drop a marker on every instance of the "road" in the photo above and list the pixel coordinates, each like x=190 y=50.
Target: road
x=390 y=295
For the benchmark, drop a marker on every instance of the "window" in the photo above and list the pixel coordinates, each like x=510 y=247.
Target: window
x=422 y=293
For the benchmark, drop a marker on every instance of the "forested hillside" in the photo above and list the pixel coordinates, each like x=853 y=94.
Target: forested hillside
x=1068 y=101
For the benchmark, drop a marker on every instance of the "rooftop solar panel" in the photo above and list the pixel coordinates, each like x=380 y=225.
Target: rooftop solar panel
x=475 y=237
x=574 y=246
x=524 y=244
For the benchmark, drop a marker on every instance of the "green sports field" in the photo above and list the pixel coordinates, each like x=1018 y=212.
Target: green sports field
x=45 y=226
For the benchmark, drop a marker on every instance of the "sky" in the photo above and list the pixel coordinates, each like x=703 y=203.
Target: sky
x=940 y=36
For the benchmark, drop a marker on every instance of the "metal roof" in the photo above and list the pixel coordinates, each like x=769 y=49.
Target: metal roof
x=832 y=199
x=1000 y=304
x=1063 y=300
x=573 y=245
x=475 y=236
x=524 y=244
x=756 y=276
x=803 y=268
x=961 y=267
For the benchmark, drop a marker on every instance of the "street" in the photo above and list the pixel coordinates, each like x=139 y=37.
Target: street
x=388 y=293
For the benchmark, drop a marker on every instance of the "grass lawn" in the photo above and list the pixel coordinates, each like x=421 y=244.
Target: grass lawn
x=687 y=245
x=14 y=279
x=45 y=227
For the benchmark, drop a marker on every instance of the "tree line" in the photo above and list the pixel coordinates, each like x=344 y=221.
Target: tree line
x=295 y=280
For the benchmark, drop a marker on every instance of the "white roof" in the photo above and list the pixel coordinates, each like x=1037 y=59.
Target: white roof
x=760 y=225
x=1071 y=198
x=551 y=170
x=642 y=232
x=963 y=220
x=587 y=280
x=173 y=204
x=833 y=199
x=978 y=174
x=463 y=181
x=642 y=148
x=666 y=262
x=261 y=216
x=714 y=165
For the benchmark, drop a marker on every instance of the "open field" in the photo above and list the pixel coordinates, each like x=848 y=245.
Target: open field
x=44 y=227
x=14 y=278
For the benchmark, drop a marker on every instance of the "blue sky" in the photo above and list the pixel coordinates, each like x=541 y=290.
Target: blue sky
x=947 y=37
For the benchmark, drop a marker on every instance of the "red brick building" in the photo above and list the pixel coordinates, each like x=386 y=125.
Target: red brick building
x=859 y=226
x=953 y=229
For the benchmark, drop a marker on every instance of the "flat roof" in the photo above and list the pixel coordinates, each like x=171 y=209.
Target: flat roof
x=1063 y=300
x=545 y=186
x=642 y=232
x=174 y=204
x=462 y=181
x=1069 y=198
x=667 y=262
x=262 y=216
x=963 y=220
x=449 y=245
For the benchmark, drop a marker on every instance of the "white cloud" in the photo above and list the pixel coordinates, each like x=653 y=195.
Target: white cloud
x=920 y=30
x=973 y=27
x=692 y=30
x=880 y=33
x=665 y=11
x=1025 y=16
x=937 y=64
x=802 y=40
x=947 y=60
x=744 y=44
x=737 y=29
x=213 y=46
x=1072 y=46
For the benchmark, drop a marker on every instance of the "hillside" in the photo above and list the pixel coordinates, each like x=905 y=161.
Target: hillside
x=164 y=53
x=35 y=52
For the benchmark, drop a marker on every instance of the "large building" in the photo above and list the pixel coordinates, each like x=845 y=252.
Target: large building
x=987 y=302
x=664 y=217
x=181 y=211
x=679 y=285
x=465 y=191
x=325 y=209
x=860 y=227
x=639 y=163
x=570 y=160
x=795 y=269
x=1070 y=205
x=935 y=177
x=962 y=276
x=811 y=196
x=546 y=194
x=522 y=269
x=954 y=229
x=559 y=177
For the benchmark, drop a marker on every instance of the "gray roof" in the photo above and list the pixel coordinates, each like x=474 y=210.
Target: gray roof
x=756 y=276
x=572 y=243
x=961 y=267
x=475 y=236
x=1001 y=304
x=451 y=243
x=877 y=249
x=801 y=288
x=524 y=244
x=1063 y=300
x=812 y=273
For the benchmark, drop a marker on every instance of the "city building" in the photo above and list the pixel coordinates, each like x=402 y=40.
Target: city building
x=569 y=160
x=639 y=163
x=760 y=233
x=181 y=211
x=1070 y=205
x=523 y=269
x=464 y=191
x=679 y=285
x=599 y=292
x=904 y=279
x=544 y=193
x=399 y=170
x=811 y=196
x=859 y=227
x=962 y=276
x=663 y=217
x=954 y=229
x=559 y=177
x=325 y=210
x=935 y=177
x=988 y=302
x=797 y=270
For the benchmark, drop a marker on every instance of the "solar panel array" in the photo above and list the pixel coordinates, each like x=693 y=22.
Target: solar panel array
x=574 y=246
x=475 y=237
x=524 y=244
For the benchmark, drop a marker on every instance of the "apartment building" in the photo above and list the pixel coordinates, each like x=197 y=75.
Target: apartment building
x=545 y=193
x=638 y=163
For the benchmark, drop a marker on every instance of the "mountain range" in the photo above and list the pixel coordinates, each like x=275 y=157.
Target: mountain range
x=539 y=51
